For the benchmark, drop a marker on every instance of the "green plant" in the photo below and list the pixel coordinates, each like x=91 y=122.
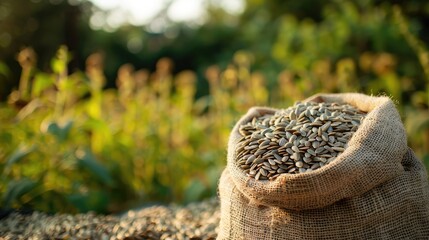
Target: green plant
x=69 y=144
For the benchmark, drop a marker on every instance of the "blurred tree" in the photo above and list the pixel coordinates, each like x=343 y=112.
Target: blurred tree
x=43 y=25
x=263 y=25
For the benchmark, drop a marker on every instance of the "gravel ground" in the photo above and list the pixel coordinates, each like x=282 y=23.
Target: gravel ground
x=194 y=221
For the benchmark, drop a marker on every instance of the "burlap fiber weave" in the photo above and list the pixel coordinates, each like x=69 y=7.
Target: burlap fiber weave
x=376 y=189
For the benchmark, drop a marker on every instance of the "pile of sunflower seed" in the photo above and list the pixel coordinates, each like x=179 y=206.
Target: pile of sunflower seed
x=298 y=139
x=193 y=222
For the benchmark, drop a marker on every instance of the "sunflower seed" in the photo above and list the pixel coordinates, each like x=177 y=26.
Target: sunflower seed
x=263 y=172
x=299 y=139
x=282 y=142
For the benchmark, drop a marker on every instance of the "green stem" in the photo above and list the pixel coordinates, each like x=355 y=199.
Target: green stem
x=416 y=44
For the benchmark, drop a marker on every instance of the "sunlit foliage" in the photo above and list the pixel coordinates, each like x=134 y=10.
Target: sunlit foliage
x=68 y=143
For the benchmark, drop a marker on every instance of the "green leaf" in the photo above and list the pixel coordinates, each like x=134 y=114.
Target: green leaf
x=53 y=128
x=65 y=128
x=92 y=201
x=41 y=82
x=89 y=162
x=21 y=152
x=194 y=191
x=60 y=132
x=4 y=70
x=58 y=66
x=16 y=189
x=418 y=123
x=59 y=63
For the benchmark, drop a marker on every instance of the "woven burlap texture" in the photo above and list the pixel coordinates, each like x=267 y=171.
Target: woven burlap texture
x=376 y=189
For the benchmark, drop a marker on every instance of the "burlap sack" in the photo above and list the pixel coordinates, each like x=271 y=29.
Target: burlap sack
x=376 y=189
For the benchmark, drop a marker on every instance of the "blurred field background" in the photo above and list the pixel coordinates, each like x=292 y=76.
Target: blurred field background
x=102 y=115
